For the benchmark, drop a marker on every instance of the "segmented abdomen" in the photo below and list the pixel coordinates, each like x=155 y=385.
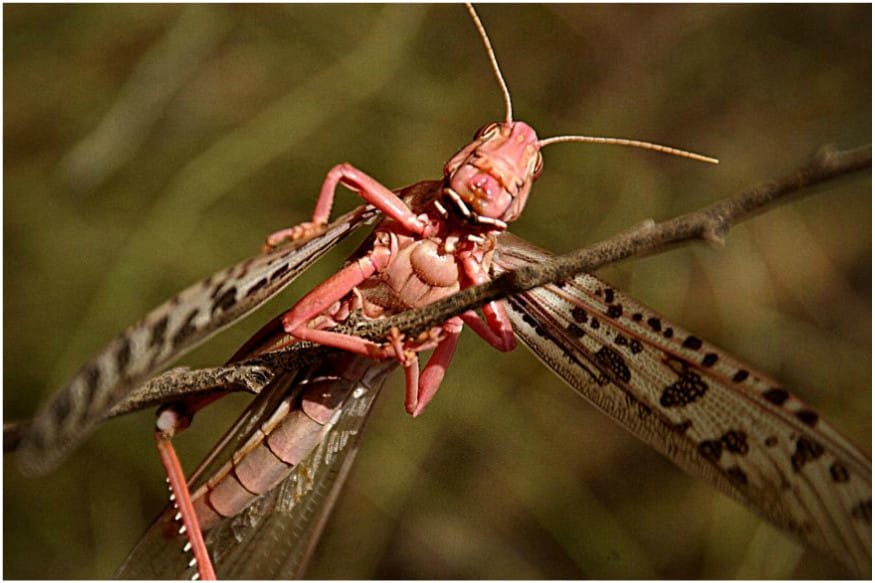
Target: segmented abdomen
x=291 y=433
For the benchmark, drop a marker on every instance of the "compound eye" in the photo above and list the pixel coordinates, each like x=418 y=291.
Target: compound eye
x=538 y=166
x=486 y=132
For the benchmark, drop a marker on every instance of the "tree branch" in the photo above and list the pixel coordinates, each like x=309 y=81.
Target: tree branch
x=708 y=224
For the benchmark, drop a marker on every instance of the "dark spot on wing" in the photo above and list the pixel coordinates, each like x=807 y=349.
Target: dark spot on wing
x=91 y=376
x=709 y=359
x=257 y=286
x=579 y=314
x=637 y=317
x=157 y=332
x=594 y=324
x=611 y=360
x=771 y=441
x=615 y=311
x=61 y=407
x=740 y=376
x=692 y=342
x=710 y=449
x=280 y=271
x=689 y=388
x=776 y=396
x=531 y=322
x=735 y=442
x=839 y=472
x=737 y=476
x=620 y=340
x=575 y=330
x=224 y=301
x=683 y=426
x=807 y=416
x=635 y=346
x=123 y=355
x=654 y=324
x=609 y=295
x=863 y=511
x=186 y=330
x=806 y=451
x=668 y=333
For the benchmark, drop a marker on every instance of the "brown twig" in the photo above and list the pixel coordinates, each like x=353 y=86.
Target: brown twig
x=250 y=375
x=709 y=224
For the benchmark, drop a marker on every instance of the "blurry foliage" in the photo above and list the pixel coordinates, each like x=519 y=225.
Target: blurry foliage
x=509 y=474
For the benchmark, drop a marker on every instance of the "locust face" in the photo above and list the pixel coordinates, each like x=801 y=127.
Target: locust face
x=489 y=180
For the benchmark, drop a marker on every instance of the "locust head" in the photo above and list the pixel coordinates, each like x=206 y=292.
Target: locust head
x=488 y=181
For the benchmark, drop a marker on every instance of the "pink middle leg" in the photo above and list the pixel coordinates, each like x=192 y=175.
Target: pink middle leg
x=326 y=294
x=497 y=329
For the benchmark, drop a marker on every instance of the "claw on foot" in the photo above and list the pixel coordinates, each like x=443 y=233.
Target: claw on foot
x=395 y=348
x=297 y=234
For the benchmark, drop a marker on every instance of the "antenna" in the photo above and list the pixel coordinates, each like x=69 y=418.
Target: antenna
x=631 y=144
x=508 y=107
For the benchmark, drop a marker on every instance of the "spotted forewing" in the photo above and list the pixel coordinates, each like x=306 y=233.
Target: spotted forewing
x=713 y=416
x=164 y=334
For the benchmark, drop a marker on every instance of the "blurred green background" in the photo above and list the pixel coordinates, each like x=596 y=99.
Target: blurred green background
x=149 y=146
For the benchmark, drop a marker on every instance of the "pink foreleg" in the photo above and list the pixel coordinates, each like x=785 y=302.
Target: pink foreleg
x=433 y=373
x=368 y=188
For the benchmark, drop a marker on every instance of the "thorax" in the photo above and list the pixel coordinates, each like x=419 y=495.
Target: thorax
x=421 y=270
